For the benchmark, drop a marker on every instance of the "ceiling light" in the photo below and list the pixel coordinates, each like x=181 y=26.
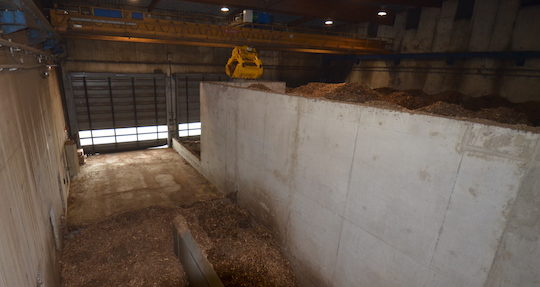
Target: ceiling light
x=77 y=26
x=225 y=9
x=382 y=13
x=328 y=22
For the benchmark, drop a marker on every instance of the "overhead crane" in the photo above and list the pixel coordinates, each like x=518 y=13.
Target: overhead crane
x=140 y=26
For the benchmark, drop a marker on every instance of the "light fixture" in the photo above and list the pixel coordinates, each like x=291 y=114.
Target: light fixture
x=382 y=13
x=225 y=9
x=77 y=26
x=328 y=22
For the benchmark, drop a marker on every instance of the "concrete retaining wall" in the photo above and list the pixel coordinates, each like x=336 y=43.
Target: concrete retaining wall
x=33 y=178
x=278 y=87
x=362 y=196
x=187 y=155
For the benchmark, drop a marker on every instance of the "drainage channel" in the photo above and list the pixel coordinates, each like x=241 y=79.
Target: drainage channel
x=199 y=271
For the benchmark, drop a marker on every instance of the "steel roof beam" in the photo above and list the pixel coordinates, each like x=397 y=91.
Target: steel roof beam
x=183 y=33
x=343 y=10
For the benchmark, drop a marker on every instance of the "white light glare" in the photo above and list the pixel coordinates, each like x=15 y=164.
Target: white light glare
x=328 y=22
x=225 y=9
x=382 y=13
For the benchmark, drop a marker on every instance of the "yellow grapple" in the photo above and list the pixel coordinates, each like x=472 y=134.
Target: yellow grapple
x=244 y=64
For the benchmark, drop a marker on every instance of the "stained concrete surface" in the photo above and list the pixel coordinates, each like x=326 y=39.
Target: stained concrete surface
x=33 y=176
x=110 y=184
x=364 y=196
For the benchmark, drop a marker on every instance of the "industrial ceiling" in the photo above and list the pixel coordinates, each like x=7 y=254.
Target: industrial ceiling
x=316 y=26
x=290 y=12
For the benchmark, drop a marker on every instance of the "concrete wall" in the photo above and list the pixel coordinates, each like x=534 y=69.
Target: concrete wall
x=496 y=25
x=119 y=57
x=33 y=177
x=186 y=154
x=278 y=87
x=362 y=196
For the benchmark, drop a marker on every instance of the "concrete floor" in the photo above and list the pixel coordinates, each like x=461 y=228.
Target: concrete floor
x=114 y=183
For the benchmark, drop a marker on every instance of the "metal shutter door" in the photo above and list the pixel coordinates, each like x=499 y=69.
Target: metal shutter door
x=114 y=106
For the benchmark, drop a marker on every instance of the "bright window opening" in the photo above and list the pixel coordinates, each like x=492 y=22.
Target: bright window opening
x=122 y=135
x=188 y=130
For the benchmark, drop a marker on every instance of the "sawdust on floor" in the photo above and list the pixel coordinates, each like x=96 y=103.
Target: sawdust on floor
x=132 y=249
x=243 y=252
x=136 y=249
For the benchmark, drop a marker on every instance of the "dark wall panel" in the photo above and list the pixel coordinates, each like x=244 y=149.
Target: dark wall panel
x=187 y=95
x=111 y=101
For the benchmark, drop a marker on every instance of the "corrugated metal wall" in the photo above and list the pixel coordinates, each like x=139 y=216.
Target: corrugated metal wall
x=113 y=112
x=118 y=100
x=187 y=95
x=188 y=106
x=120 y=111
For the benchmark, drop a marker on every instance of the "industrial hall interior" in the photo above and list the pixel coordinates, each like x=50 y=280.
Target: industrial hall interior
x=270 y=143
